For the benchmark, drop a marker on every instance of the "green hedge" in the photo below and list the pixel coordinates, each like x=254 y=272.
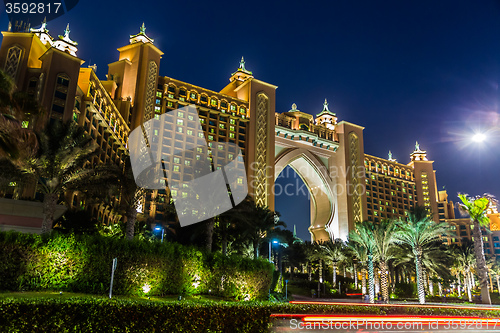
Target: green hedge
x=102 y=315
x=83 y=264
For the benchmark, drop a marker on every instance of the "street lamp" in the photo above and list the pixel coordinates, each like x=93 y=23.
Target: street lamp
x=273 y=242
x=162 y=232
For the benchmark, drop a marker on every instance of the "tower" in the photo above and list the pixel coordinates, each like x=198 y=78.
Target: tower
x=136 y=77
x=259 y=160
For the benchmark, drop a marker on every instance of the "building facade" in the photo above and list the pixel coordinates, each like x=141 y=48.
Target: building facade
x=346 y=185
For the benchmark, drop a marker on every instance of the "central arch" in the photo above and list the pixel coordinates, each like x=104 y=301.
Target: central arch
x=314 y=174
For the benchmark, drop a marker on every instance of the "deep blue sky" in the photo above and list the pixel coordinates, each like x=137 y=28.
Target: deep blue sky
x=405 y=70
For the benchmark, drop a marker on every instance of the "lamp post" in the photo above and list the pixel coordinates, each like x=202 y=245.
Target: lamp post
x=270 y=248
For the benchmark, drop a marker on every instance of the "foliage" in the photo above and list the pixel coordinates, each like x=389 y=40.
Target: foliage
x=405 y=290
x=82 y=263
x=104 y=315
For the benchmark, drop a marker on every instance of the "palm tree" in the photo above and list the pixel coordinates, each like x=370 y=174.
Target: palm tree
x=464 y=263
x=361 y=255
x=258 y=224
x=333 y=252
x=57 y=165
x=363 y=236
x=383 y=237
x=476 y=209
x=418 y=231
x=17 y=111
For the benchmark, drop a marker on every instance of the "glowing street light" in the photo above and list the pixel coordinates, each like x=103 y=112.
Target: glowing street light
x=274 y=241
x=162 y=232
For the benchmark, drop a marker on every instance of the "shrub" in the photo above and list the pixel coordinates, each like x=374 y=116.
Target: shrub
x=405 y=290
x=82 y=263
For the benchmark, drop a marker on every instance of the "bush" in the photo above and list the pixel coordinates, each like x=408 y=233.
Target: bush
x=82 y=263
x=405 y=290
x=104 y=315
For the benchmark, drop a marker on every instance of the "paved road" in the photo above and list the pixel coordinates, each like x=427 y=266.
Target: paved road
x=379 y=324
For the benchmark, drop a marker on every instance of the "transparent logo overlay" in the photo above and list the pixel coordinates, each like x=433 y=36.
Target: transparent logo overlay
x=172 y=151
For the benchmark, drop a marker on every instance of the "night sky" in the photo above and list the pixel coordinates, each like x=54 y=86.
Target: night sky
x=407 y=71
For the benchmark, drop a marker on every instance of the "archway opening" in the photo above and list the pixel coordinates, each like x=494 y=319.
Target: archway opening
x=292 y=201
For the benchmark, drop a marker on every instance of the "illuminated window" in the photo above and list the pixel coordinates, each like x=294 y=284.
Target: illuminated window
x=173 y=193
x=210 y=137
x=240 y=181
x=231 y=135
x=176 y=168
x=232 y=121
x=188 y=163
x=180 y=122
x=230 y=156
x=199 y=149
x=222 y=126
x=220 y=147
x=180 y=114
x=179 y=129
x=158 y=94
x=158 y=108
x=190 y=117
x=200 y=134
x=170 y=95
x=232 y=107
x=243 y=110
x=157 y=116
x=176 y=160
x=193 y=95
x=189 y=132
x=213 y=102
x=25 y=124
x=170 y=104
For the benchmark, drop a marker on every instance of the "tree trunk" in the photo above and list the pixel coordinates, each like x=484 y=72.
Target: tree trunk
x=334 y=275
x=498 y=284
x=131 y=218
x=459 y=287
x=370 y=279
x=481 y=263
x=420 y=285
x=224 y=238
x=209 y=234
x=491 y=281
x=468 y=287
x=255 y=245
x=383 y=281
x=431 y=287
x=376 y=281
x=355 y=270
x=363 y=280
x=309 y=271
x=49 y=209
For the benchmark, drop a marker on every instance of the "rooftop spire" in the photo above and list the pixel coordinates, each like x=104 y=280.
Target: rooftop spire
x=418 y=154
x=326 y=110
x=141 y=36
x=242 y=68
x=391 y=159
x=325 y=106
